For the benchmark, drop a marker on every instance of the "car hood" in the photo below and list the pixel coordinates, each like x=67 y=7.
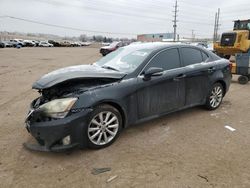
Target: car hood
x=75 y=73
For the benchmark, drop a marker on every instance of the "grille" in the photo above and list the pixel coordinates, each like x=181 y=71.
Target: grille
x=228 y=39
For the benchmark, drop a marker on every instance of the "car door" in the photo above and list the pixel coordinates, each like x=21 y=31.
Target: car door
x=197 y=75
x=165 y=92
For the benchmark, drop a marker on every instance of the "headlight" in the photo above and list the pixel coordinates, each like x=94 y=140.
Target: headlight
x=58 y=108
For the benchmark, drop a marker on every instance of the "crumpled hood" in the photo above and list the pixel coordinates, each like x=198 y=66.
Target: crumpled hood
x=73 y=73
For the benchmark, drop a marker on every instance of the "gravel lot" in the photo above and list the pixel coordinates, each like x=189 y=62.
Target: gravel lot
x=191 y=148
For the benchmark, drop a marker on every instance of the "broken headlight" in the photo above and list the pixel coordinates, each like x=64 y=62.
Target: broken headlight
x=58 y=108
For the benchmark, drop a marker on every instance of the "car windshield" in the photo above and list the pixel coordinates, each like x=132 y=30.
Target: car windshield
x=124 y=60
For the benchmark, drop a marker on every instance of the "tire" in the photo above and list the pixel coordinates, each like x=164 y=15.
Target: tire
x=215 y=97
x=243 y=80
x=104 y=127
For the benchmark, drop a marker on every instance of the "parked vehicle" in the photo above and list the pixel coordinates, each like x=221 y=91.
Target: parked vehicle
x=112 y=47
x=29 y=43
x=75 y=44
x=106 y=43
x=2 y=44
x=36 y=42
x=236 y=41
x=200 y=44
x=85 y=43
x=45 y=44
x=89 y=105
x=16 y=43
x=55 y=43
x=65 y=44
x=21 y=41
x=8 y=44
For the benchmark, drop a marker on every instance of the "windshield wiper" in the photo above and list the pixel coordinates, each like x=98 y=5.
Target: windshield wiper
x=109 y=67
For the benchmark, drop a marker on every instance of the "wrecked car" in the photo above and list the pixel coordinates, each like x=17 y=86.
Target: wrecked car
x=89 y=105
x=110 y=48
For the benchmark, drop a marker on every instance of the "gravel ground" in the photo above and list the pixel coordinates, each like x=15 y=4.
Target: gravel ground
x=191 y=148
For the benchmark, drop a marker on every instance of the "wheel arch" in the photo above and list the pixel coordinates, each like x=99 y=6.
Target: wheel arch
x=118 y=107
x=223 y=83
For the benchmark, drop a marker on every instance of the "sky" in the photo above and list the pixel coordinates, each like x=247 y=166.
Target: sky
x=120 y=18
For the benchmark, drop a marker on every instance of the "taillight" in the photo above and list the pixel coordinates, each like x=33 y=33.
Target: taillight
x=230 y=66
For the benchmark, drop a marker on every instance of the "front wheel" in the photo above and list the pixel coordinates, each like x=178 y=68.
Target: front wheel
x=104 y=127
x=215 y=97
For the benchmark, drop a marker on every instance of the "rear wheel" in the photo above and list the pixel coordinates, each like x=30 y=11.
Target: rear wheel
x=104 y=127
x=215 y=97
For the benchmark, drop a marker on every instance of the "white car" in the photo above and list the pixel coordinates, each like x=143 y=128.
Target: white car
x=85 y=43
x=29 y=43
x=45 y=44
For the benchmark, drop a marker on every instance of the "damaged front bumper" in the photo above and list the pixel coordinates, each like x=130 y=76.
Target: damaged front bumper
x=50 y=134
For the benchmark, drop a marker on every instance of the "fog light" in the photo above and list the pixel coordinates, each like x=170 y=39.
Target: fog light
x=66 y=140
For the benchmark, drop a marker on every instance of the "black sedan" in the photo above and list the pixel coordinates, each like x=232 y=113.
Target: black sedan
x=89 y=105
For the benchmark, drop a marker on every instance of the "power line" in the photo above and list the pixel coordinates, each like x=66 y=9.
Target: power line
x=127 y=14
x=66 y=27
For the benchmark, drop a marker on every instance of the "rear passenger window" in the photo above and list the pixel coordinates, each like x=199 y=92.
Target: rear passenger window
x=168 y=59
x=191 y=56
x=204 y=56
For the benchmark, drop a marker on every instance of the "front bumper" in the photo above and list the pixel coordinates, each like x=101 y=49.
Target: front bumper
x=49 y=134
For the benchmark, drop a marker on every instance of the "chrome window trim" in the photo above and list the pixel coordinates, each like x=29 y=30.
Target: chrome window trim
x=156 y=55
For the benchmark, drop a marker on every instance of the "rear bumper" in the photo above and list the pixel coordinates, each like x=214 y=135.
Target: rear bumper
x=49 y=134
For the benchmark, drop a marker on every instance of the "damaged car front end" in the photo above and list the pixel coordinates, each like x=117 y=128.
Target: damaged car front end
x=56 y=119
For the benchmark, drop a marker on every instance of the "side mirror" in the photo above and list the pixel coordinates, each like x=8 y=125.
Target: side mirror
x=152 y=71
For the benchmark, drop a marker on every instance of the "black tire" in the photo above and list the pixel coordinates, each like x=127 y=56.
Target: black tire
x=243 y=80
x=103 y=109
x=209 y=104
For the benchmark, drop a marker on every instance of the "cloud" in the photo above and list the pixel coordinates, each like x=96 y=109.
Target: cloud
x=120 y=16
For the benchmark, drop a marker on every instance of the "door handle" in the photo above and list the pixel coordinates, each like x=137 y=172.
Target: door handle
x=181 y=76
x=211 y=70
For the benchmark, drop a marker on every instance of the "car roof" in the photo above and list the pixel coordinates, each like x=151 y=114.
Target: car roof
x=158 y=46
x=155 y=45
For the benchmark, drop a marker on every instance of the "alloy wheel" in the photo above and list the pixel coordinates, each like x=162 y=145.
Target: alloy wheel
x=216 y=96
x=103 y=128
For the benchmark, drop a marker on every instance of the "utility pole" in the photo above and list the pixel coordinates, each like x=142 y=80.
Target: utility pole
x=193 y=36
x=216 y=25
x=217 y=28
x=175 y=19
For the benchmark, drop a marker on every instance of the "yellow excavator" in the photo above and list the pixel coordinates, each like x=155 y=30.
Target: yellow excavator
x=236 y=44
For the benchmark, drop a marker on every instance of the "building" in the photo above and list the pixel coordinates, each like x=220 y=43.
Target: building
x=156 y=37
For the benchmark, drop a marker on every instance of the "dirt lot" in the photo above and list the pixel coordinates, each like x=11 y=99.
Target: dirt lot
x=185 y=149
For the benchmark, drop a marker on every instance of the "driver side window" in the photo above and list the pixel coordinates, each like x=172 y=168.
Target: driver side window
x=167 y=60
